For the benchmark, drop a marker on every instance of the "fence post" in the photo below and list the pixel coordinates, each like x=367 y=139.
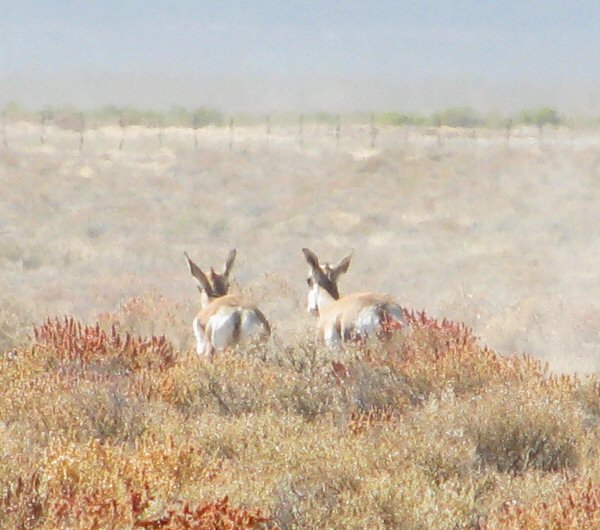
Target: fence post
x=268 y=130
x=122 y=125
x=301 y=131
x=230 y=134
x=195 y=122
x=43 y=127
x=373 y=131
x=81 y=130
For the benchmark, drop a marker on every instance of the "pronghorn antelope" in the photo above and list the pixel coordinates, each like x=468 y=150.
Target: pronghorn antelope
x=224 y=320
x=352 y=317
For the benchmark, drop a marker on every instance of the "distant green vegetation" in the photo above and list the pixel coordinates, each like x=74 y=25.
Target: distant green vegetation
x=180 y=116
x=541 y=116
x=458 y=117
x=71 y=118
x=176 y=116
x=400 y=118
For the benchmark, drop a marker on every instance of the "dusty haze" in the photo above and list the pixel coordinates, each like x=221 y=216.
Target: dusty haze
x=271 y=93
x=500 y=236
x=302 y=56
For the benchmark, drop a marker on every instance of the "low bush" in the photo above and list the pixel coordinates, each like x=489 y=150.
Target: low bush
x=103 y=429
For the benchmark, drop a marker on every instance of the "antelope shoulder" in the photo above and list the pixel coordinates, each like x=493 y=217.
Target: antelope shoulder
x=225 y=305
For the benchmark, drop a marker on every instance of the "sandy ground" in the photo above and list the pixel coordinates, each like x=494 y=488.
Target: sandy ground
x=503 y=236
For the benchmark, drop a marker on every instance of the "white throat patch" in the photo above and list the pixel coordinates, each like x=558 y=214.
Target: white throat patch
x=313 y=300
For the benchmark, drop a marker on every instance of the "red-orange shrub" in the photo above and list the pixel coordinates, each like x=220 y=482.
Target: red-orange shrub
x=218 y=515
x=577 y=507
x=70 y=340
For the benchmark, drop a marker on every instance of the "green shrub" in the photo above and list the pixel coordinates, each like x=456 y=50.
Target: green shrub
x=457 y=117
x=540 y=116
x=400 y=118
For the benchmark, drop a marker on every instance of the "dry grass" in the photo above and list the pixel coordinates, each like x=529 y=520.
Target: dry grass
x=476 y=230
x=117 y=424
x=105 y=430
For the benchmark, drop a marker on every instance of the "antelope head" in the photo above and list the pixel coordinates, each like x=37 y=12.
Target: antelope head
x=322 y=280
x=212 y=285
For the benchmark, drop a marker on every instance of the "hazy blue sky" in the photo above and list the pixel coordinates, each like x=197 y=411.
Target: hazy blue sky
x=300 y=53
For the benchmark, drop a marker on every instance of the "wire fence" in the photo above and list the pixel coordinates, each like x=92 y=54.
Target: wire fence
x=73 y=132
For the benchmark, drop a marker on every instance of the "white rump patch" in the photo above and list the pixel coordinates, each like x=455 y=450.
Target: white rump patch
x=222 y=328
x=368 y=323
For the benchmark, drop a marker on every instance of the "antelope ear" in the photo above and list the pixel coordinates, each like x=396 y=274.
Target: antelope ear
x=199 y=276
x=313 y=263
x=311 y=259
x=343 y=265
x=229 y=263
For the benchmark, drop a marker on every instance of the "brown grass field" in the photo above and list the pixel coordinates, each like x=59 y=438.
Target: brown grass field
x=484 y=417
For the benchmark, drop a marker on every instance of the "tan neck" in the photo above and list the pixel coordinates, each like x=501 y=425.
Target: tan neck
x=205 y=300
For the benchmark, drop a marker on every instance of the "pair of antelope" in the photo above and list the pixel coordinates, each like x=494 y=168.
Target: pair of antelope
x=225 y=320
